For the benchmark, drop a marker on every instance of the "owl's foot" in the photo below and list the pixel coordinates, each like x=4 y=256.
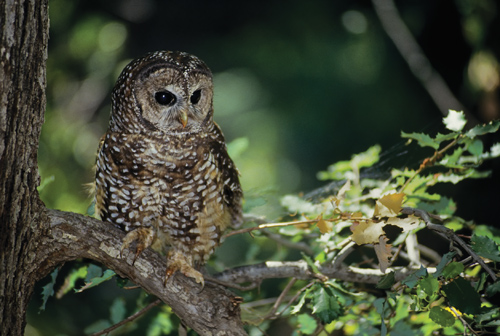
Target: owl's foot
x=143 y=236
x=177 y=261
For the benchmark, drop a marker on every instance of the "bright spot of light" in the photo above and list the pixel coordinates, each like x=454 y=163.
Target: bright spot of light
x=354 y=22
x=112 y=36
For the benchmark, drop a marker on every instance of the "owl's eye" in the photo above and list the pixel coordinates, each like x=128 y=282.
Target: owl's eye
x=195 y=97
x=165 y=98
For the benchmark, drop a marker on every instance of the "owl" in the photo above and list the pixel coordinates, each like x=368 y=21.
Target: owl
x=163 y=172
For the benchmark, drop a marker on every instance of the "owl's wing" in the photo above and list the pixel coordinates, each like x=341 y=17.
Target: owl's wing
x=233 y=194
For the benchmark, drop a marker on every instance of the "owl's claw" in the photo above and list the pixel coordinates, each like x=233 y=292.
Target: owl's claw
x=143 y=236
x=178 y=262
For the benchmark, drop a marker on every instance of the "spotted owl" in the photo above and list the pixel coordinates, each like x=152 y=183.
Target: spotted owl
x=163 y=172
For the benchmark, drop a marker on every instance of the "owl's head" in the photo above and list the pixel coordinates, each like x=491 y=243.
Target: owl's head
x=165 y=91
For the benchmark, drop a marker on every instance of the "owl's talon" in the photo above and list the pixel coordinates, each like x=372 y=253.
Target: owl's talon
x=178 y=262
x=144 y=238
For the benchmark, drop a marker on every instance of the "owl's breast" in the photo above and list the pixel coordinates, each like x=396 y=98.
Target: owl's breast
x=174 y=185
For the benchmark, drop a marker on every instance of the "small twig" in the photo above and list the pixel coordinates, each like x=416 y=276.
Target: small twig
x=128 y=319
x=232 y=284
x=465 y=324
x=272 y=313
x=292 y=300
x=270 y=225
x=429 y=162
x=450 y=235
x=285 y=242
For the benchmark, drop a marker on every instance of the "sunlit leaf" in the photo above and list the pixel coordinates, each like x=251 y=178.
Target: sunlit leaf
x=323 y=225
x=422 y=139
x=367 y=232
x=405 y=223
x=442 y=316
x=455 y=121
x=108 y=274
x=307 y=324
x=389 y=205
x=490 y=127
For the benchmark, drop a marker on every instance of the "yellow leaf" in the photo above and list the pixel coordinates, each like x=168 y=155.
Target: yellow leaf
x=341 y=194
x=407 y=224
x=388 y=205
x=323 y=225
x=367 y=233
x=383 y=251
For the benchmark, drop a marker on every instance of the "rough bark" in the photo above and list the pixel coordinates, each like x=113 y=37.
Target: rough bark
x=23 y=53
x=212 y=310
x=35 y=240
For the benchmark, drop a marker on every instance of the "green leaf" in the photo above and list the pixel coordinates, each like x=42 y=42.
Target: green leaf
x=386 y=281
x=93 y=271
x=117 y=310
x=485 y=247
x=476 y=148
x=161 y=325
x=422 y=139
x=97 y=326
x=493 y=288
x=108 y=274
x=442 y=317
x=452 y=270
x=491 y=127
x=445 y=206
x=367 y=158
x=446 y=137
x=300 y=304
x=413 y=278
x=447 y=257
x=462 y=296
x=429 y=285
x=325 y=304
x=451 y=160
x=307 y=324
x=48 y=289
x=454 y=121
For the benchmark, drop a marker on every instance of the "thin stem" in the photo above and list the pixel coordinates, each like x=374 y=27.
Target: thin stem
x=128 y=319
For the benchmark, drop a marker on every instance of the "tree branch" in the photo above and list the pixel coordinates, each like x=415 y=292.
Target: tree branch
x=411 y=52
x=211 y=311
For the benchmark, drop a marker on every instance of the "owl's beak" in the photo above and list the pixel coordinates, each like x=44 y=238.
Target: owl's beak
x=183 y=118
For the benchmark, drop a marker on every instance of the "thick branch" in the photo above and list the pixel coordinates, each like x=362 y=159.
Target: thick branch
x=300 y=270
x=211 y=311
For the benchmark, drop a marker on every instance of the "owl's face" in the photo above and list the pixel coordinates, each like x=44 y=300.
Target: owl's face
x=165 y=91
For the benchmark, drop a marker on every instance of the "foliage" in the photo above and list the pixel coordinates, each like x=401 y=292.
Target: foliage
x=416 y=292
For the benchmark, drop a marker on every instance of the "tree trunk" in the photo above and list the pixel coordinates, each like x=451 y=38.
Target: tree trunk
x=23 y=54
x=35 y=240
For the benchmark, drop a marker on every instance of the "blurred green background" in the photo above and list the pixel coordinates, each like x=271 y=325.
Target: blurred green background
x=298 y=85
